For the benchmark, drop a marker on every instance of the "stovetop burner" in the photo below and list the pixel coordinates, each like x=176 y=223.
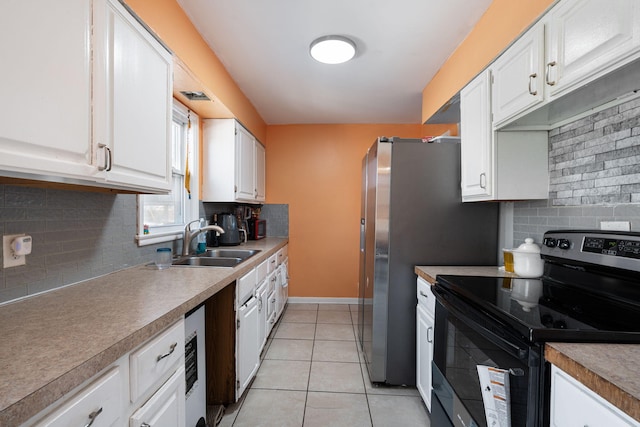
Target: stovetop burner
x=541 y=310
x=589 y=291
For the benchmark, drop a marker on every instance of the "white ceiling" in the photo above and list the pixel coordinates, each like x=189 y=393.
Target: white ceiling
x=264 y=45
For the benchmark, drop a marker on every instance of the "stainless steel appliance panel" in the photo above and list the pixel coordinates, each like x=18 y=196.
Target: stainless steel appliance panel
x=413 y=215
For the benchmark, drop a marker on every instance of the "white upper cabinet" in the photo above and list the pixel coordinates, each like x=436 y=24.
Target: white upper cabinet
x=85 y=96
x=133 y=98
x=491 y=161
x=45 y=90
x=233 y=163
x=582 y=55
x=519 y=76
x=245 y=171
x=475 y=129
x=587 y=38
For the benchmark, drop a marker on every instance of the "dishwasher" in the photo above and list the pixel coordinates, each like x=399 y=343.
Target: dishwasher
x=194 y=360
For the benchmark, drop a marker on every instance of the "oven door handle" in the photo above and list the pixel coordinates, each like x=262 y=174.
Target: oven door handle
x=511 y=348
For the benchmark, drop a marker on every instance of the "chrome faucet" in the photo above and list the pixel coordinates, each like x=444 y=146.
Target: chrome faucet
x=190 y=234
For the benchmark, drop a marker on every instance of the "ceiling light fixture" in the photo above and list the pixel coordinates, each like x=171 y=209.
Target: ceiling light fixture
x=332 y=49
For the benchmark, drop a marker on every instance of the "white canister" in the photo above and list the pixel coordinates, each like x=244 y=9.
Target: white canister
x=527 y=261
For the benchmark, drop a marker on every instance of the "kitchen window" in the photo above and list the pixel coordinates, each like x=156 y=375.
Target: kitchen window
x=162 y=217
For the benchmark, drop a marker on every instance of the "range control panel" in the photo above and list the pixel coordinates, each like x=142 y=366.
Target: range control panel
x=611 y=248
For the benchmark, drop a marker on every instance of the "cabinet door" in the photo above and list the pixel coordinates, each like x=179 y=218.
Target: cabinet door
x=424 y=353
x=573 y=404
x=245 y=172
x=247 y=354
x=166 y=407
x=587 y=37
x=260 y=170
x=518 y=79
x=476 y=145
x=262 y=315
x=133 y=95
x=45 y=90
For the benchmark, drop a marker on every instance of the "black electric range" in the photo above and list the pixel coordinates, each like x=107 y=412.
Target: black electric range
x=589 y=292
x=574 y=301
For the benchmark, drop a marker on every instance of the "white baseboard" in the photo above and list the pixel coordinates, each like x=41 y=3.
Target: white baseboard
x=316 y=300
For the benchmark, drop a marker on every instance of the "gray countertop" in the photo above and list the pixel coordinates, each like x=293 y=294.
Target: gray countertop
x=53 y=342
x=610 y=370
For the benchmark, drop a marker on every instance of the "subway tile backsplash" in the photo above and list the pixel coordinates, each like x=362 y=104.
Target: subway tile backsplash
x=81 y=235
x=594 y=164
x=76 y=236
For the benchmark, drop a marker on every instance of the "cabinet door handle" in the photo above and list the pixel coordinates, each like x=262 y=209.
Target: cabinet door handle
x=548 y=73
x=430 y=334
x=92 y=417
x=424 y=295
x=107 y=158
x=171 y=350
x=483 y=180
x=145 y=425
x=532 y=78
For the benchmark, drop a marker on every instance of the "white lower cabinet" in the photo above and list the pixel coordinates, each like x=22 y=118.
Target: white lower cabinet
x=263 y=320
x=166 y=407
x=574 y=405
x=98 y=405
x=425 y=322
x=145 y=387
x=247 y=353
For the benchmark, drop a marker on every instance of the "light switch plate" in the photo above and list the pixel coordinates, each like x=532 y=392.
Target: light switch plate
x=8 y=259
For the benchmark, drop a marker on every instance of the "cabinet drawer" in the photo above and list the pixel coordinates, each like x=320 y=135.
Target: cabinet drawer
x=246 y=286
x=262 y=270
x=273 y=263
x=155 y=359
x=282 y=254
x=426 y=299
x=100 y=401
x=166 y=407
x=572 y=404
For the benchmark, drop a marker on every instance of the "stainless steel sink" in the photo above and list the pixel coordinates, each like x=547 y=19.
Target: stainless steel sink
x=216 y=258
x=229 y=253
x=200 y=261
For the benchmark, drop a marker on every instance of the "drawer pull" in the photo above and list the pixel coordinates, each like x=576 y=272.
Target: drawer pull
x=145 y=425
x=92 y=417
x=424 y=295
x=171 y=350
x=430 y=332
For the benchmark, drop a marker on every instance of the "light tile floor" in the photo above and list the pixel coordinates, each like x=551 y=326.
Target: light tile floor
x=312 y=374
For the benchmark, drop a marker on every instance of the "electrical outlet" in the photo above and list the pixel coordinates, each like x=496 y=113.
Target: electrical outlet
x=615 y=225
x=7 y=254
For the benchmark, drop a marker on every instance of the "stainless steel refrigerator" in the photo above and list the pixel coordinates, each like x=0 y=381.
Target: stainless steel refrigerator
x=412 y=214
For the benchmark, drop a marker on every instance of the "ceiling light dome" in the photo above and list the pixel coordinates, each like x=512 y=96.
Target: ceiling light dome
x=332 y=49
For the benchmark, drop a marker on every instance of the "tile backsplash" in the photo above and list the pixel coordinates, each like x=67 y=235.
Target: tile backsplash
x=594 y=164
x=79 y=235
x=76 y=236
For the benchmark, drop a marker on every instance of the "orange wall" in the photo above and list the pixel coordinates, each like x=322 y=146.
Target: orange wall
x=316 y=169
x=503 y=21
x=167 y=19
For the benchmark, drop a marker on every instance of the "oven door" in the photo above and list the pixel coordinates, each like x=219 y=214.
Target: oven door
x=465 y=338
